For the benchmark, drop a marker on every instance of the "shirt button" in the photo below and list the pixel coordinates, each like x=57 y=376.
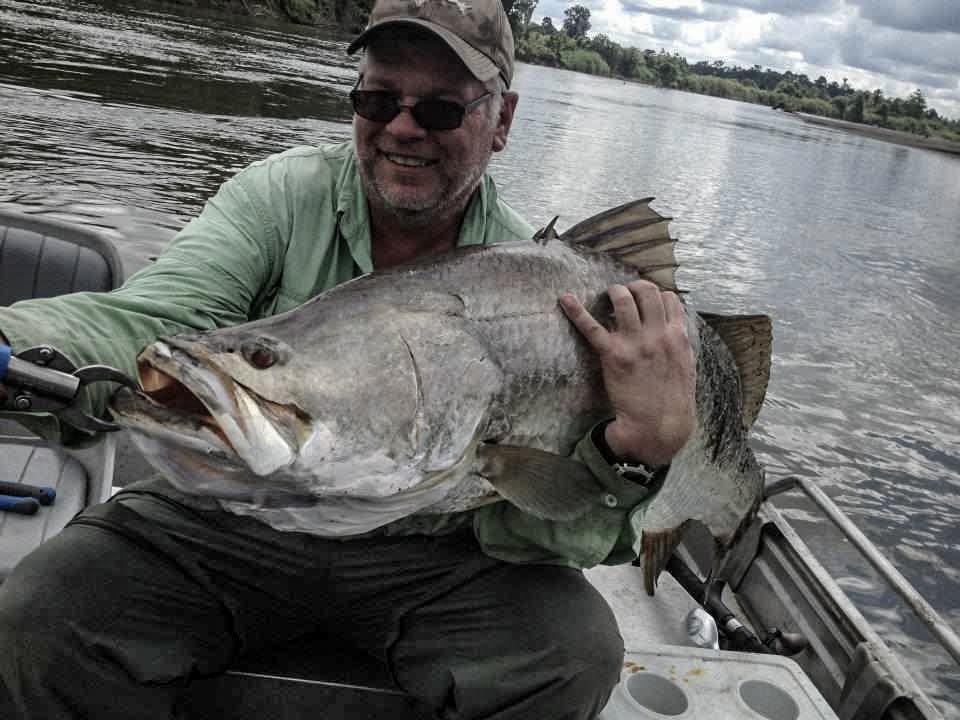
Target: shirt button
x=610 y=500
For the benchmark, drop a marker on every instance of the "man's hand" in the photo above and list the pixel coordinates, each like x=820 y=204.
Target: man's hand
x=649 y=370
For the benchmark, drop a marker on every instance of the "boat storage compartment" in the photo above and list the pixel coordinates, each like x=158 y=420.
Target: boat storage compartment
x=691 y=683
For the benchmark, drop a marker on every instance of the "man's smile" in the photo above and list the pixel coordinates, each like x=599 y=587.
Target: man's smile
x=408 y=160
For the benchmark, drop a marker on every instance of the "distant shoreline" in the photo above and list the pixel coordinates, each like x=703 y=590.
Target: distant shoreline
x=879 y=133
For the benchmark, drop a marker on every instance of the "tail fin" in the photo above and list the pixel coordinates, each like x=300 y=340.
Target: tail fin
x=750 y=340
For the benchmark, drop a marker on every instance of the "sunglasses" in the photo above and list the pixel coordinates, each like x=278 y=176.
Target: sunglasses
x=382 y=106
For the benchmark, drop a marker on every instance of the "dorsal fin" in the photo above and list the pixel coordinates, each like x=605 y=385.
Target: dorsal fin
x=750 y=339
x=634 y=233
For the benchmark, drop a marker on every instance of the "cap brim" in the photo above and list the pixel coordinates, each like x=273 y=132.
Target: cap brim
x=479 y=65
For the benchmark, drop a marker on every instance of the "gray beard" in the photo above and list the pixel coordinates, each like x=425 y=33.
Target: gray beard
x=420 y=215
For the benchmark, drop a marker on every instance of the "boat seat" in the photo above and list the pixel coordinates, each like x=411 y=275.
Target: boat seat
x=40 y=257
x=44 y=258
x=32 y=461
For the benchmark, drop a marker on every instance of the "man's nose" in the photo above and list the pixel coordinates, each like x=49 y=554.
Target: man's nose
x=405 y=125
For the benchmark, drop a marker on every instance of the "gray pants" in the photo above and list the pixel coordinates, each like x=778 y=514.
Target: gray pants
x=112 y=617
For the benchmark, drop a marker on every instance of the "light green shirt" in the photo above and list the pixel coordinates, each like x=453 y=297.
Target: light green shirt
x=279 y=232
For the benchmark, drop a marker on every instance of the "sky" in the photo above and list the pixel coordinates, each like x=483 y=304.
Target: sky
x=895 y=45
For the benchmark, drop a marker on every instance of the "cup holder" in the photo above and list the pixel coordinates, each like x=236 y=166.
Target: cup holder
x=768 y=701
x=657 y=694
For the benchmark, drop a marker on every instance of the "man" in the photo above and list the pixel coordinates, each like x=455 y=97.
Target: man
x=481 y=615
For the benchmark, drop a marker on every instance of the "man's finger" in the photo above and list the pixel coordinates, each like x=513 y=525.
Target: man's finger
x=595 y=333
x=624 y=309
x=650 y=303
x=674 y=308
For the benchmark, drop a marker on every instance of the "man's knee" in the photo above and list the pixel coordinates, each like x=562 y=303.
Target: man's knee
x=590 y=658
x=575 y=621
x=532 y=642
x=34 y=603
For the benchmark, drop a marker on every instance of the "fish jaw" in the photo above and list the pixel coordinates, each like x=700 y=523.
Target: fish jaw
x=261 y=433
x=158 y=430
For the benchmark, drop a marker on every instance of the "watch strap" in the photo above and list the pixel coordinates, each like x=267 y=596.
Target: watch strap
x=638 y=472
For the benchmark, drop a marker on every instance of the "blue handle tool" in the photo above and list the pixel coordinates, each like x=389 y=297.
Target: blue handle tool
x=44 y=495
x=5 y=354
x=20 y=505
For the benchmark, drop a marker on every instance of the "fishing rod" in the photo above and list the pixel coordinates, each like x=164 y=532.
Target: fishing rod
x=736 y=635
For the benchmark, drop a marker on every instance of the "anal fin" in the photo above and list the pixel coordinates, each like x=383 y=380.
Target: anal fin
x=543 y=484
x=655 y=550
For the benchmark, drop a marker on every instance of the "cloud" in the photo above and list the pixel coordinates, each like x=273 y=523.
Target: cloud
x=892 y=51
x=780 y=7
x=925 y=16
x=708 y=14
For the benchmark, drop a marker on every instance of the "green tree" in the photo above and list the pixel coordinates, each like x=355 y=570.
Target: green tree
x=667 y=72
x=854 y=110
x=585 y=61
x=884 y=113
x=633 y=65
x=520 y=13
x=788 y=87
x=546 y=26
x=534 y=47
x=608 y=50
x=915 y=105
x=839 y=106
x=576 y=22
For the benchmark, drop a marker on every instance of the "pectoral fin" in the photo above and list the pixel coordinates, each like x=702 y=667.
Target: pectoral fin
x=548 y=486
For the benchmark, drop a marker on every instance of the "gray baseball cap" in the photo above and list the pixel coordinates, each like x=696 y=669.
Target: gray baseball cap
x=476 y=30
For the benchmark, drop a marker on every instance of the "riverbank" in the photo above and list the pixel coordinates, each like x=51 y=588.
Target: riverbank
x=879 y=133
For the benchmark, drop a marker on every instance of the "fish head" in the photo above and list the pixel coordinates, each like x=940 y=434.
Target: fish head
x=288 y=397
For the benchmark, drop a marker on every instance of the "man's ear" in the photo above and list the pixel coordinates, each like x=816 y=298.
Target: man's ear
x=507 y=108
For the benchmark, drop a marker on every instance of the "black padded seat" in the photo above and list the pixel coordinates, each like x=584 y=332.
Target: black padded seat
x=44 y=258
x=40 y=257
x=30 y=460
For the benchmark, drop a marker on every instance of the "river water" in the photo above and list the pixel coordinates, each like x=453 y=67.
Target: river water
x=129 y=118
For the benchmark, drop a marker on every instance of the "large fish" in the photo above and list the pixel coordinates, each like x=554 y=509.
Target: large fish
x=444 y=385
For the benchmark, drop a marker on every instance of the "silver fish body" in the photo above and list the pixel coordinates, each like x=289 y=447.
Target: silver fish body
x=435 y=388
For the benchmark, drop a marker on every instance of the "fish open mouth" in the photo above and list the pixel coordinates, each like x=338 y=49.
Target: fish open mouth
x=190 y=397
x=176 y=399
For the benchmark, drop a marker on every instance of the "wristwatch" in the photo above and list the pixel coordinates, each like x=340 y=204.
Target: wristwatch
x=638 y=472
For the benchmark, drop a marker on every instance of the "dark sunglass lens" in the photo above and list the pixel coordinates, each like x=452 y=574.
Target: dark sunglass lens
x=375 y=105
x=438 y=114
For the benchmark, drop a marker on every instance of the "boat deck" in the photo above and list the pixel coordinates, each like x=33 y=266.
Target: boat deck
x=644 y=620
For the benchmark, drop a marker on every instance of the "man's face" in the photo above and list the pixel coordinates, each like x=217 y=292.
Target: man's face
x=414 y=175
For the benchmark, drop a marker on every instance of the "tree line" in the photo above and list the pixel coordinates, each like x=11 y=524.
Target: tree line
x=570 y=47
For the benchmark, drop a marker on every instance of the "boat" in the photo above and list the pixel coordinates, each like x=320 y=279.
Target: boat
x=819 y=657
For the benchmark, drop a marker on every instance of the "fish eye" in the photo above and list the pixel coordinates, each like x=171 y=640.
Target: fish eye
x=260 y=356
